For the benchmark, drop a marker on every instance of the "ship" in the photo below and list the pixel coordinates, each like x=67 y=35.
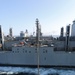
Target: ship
x=60 y=53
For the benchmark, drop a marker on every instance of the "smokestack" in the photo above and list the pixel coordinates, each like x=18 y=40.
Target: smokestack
x=62 y=32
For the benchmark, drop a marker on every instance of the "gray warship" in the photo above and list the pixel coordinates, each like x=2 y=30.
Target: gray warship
x=59 y=54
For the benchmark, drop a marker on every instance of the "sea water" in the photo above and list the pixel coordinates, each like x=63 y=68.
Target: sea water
x=34 y=71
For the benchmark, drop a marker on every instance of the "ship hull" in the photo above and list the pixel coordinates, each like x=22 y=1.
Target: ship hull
x=28 y=56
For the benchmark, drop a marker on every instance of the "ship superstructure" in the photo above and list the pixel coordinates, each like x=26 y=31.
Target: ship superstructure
x=60 y=52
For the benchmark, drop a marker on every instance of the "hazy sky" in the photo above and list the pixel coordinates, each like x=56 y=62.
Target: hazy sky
x=21 y=15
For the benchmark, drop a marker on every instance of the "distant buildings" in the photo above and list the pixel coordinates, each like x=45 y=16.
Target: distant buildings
x=10 y=32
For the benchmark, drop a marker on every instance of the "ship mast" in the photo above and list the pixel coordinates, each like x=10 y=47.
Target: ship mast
x=37 y=41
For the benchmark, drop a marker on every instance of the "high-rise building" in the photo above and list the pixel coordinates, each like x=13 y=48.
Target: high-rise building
x=10 y=32
x=26 y=33
x=73 y=29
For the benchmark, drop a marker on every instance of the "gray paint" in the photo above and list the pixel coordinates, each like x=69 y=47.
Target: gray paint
x=47 y=56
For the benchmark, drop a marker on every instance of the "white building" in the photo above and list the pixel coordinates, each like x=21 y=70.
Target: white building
x=73 y=29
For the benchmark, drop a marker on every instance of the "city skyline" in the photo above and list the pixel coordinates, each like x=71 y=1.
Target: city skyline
x=21 y=15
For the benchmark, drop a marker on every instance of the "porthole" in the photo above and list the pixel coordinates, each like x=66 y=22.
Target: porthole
x=25 y=51
x=46 y=51
x=13 y=51
x=29 y=51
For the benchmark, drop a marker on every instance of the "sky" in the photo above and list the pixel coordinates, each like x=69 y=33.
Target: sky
x=21 y=15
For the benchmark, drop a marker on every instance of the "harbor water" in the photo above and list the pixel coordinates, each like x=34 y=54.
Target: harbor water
x=34 y=71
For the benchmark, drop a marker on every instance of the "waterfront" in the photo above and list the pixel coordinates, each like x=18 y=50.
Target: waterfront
x=34 y=71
